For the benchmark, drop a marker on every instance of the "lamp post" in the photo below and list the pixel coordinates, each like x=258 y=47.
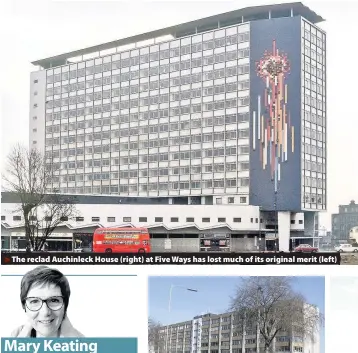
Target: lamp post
x=169 y=308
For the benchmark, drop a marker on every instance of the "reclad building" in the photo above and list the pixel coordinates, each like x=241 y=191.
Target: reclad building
x=226 y=110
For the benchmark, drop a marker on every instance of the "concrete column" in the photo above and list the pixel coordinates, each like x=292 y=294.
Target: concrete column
x=284 y=225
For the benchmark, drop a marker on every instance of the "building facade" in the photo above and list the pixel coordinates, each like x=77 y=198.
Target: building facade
x=344 y=222
x=228 y=109
x=225 y=333
x=177 y=228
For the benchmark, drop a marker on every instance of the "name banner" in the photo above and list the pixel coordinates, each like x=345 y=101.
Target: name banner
x=86 y=345
x=171 y=259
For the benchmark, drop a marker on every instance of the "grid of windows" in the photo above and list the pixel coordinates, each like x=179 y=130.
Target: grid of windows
x=167 y=119
x=221 y=333
x=314 y=116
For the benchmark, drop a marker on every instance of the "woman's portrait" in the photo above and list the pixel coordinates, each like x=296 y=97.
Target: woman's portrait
x=45 y=296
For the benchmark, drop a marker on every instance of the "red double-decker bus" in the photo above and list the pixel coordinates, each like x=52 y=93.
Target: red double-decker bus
x=121 y=240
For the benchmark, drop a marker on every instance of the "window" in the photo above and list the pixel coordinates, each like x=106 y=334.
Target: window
x=35 y=105
x=95 y=219
x=35 y=93
x=251 y=220
x=36 y=81
x=292 y=221
x=142 y=219
x=48 y=219
x=80 y=219
x=219 y=201
x=231 y=199
x=64 y=219
x=243 y=199
x=190 y=219
x=221 y=220
x=34 y=117
x=158 y=219
x=300 y=221
x=16 y=218
x=174 y=219
x=3 y=218
x=206 y=220
x=34 y=130
x=237 y=220
x=34 y=142
x=127 y=219
x=111 y=219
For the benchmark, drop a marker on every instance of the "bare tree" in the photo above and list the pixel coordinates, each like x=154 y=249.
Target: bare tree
x=270 y=304
x=28 y=176
x=155 y=343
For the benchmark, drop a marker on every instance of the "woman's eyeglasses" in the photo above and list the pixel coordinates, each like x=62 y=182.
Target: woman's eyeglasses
x=35 y=304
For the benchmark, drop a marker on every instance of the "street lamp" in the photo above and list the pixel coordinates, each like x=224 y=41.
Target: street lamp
x=169 y=308
x=176 y=286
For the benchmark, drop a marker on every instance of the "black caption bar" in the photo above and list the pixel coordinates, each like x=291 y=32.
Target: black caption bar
x=171 y=259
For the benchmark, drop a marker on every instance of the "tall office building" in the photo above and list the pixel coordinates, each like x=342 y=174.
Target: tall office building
x=227 y=333
x=229 y=109
x=343 y=222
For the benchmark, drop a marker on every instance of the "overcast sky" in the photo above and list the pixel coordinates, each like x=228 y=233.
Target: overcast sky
x=38 y=29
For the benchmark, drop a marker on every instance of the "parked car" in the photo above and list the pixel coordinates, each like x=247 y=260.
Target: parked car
x=346 y=248
x=305 y=248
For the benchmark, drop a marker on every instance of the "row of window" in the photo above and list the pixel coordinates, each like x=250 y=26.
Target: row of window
x=314 y=134
x=315 y=166
x=313 y=54
x=173 y=185
x=311 y=69
x=140 y=219
x=134 y=117
x=216 y=185
x=156 y=99
x=314 y=102
x=315 y=39
x=314 y=150
x=315 y=87
x=238 y=350
x=159 y=157
x=155 y=84
x=136 y=59
x=314 y=118
x=314 y=182
x=313 y=198
x=152 y=172
x=148 y=143
x=227 y=343
x=160 y=70
x=175 y=111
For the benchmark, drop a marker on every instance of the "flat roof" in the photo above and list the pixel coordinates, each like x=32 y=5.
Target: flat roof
x=189 y=28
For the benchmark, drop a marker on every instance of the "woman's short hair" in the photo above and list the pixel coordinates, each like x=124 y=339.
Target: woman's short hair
x=42 y=275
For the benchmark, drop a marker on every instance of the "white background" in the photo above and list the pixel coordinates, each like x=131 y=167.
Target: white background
x=122 y=310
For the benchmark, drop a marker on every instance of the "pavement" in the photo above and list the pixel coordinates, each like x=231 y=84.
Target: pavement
x=349 y=258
